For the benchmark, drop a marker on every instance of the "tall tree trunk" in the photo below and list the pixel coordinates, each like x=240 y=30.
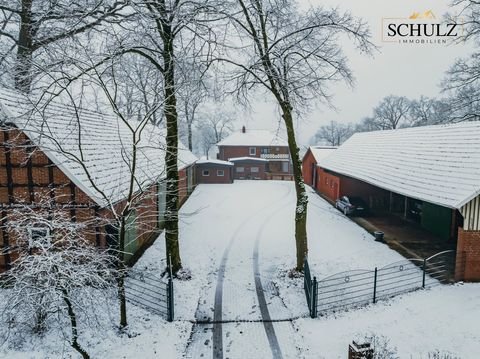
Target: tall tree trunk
x=301 y=193
x=171 y=156
x=121 y=277
x=23 y=66
x=190 y=144
x=73 y=324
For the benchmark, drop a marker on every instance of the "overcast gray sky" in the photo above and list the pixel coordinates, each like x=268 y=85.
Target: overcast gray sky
x=408 y=70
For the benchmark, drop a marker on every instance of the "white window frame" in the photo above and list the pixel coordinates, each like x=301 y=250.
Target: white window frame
x=205 y=173
x=254 y=169
x=252 y=153
x=220 y=171
x=239 y=169
x=46 y=235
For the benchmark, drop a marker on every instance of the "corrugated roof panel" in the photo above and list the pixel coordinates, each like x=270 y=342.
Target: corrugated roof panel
x=438 y=164
x=86 y=143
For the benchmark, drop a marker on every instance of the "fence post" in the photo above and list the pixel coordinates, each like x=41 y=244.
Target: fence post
x=313 y=305
x=375 y=287
x=170 y=296
x=170 y=300
x=424 y=270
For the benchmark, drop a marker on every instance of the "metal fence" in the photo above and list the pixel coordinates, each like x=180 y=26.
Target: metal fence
x=310 y=288
x=151 y=293
x=361 y=287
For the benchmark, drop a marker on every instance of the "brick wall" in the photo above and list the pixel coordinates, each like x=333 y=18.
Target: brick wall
x=247 y=170
x=213 y=177
x=147 y=215
x=182 y=185
x=327 y=184
x=468 y=256
x=308 y=164
x=27 y=176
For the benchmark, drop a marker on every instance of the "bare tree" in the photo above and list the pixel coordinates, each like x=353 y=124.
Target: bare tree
x=333 y=134
x=367 y=124
x=191 y=97
x=30 y=26
x=428 y=111
x=462 y=80
x=293 y=56
x=215 y=128
x=167 y=32
x=139 y=88
x=57 y=274
x=133 y=140
x=391 y=112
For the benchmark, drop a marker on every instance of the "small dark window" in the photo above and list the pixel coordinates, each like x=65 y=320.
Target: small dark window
x=205 y=173
x=252 y=151
x=38 y=237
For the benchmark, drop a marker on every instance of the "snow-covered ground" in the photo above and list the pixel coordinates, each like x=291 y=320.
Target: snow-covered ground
x=243 y=234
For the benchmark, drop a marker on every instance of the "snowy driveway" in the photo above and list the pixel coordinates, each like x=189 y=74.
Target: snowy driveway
x=242 y=237
x=240 y=310
x=238 y=241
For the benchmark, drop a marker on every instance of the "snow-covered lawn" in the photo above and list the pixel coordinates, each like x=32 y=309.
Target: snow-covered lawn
x=443 y=318
x=237 y=217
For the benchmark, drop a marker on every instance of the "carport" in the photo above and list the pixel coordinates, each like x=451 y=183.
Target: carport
x=422 y=184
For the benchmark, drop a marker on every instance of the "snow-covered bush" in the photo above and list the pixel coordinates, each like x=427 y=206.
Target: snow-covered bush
x=57 y=276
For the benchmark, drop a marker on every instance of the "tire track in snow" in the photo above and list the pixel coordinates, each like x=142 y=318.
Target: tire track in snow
x=267 y=321
x=217 y=339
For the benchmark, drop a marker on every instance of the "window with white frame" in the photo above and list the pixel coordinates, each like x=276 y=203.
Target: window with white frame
x=252 y=151
x=220 y=173
x=254 y=169
x=239 y=169
x=205 y=173
x=38 y=236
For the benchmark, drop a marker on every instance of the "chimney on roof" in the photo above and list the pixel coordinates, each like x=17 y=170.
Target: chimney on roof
x=243 y=129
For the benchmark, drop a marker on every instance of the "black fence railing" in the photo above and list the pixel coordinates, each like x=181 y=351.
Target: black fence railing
x=361 y=287
x=151 y=293
x=310 y=288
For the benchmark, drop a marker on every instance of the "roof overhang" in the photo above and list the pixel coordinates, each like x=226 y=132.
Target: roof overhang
x=403 y=193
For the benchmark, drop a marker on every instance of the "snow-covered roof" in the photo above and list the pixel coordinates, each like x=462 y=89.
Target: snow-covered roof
x=253 y=138
x=84 y=143
x=438 y=164
x=214 y=162
x=234 y=159
x=320 y=152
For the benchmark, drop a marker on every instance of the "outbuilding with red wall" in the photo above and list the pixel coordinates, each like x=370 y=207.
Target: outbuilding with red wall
x=214 y=171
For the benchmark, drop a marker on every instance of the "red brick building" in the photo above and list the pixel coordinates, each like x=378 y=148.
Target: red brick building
x=260 y=144
x=81 y=161
x=432 y=171
x=310 y=167
x=250 y=168
x=213 y=171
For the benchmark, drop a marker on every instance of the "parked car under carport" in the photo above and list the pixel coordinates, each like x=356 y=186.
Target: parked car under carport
x=351 y=205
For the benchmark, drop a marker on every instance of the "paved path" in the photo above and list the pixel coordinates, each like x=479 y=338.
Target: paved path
x=240 y=310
